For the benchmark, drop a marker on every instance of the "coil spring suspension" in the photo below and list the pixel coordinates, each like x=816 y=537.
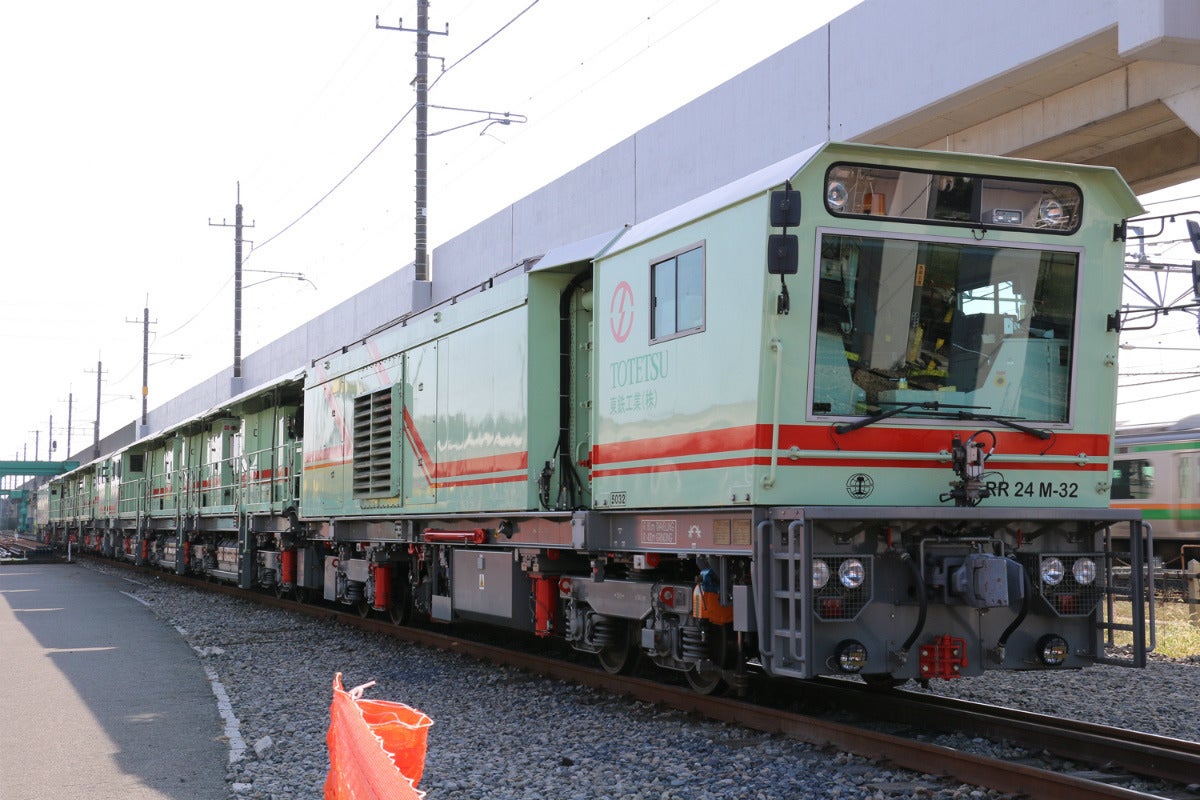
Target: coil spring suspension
x=604 y=631
x=694 y=643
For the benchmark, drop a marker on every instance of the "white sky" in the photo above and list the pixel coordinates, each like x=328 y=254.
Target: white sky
x=127 y=126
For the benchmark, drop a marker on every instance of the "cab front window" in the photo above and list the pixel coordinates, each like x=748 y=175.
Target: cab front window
x=969 y=326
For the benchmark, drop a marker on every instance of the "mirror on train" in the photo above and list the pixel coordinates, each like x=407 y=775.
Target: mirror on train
x=783 y=254
x=785 y=208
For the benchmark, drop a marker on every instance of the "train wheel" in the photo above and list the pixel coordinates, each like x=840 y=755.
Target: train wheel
x=622 y=656
x=363 y=607
x=711 y=677
x=400 y=611
x=705 y=681
x=883 y=682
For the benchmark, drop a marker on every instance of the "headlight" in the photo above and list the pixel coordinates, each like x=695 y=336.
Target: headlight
x=1051 y=212
x=836 y=195
x=1052 y=650
x=851 y=573
x=851 y=656
x=820 y=574
x=1052 y=571
x=1084 y=570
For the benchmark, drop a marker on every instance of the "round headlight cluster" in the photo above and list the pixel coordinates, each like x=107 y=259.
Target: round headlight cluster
x=820 y=574
x=1052 y=650
x=836 y=195
x=1084 y=570
x=1050 y=212
x=851 y=656
x=1052 y=571
x=852 y=573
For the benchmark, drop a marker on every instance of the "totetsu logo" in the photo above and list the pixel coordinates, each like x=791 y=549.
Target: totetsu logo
x=620 y=312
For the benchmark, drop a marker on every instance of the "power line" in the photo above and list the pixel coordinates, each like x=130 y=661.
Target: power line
x=477 y=47
x=1190 y=373
x=387 y=135
x=468 y=168
x=336 y=186
x=201 y=310
x=1172 y=200
x=1164 y=380
x=1189 y=393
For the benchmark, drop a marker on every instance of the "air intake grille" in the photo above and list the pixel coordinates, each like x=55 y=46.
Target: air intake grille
x=373 y=443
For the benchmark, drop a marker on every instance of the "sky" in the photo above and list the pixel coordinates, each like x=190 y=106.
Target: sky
x=130 y=128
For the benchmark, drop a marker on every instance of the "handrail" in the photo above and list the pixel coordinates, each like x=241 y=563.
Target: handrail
x=776 y=345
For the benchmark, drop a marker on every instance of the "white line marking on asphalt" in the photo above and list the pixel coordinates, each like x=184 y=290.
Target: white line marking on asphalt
x=233 y=728
x=135 y=597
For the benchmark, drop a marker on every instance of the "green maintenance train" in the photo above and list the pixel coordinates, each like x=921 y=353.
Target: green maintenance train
x=850 y=414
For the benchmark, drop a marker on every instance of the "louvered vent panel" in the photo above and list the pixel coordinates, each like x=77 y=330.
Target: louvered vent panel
x=373 y=443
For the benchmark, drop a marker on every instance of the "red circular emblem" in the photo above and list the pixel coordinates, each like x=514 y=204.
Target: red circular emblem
x=620 y=312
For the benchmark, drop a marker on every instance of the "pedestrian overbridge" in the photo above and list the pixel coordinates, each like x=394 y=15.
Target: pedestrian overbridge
x=35 y=469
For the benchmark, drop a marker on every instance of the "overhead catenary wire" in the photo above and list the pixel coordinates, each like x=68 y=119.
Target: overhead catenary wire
x=386 y=136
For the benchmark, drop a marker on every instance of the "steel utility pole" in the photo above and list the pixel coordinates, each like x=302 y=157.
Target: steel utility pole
x=237 y=283
x=421 y=289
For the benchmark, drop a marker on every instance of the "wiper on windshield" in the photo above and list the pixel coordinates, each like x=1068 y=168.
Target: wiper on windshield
x=1008 y=422
x=878 y=416
x=932 y=408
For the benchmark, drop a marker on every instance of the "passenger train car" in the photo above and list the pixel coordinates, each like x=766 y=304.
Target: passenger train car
x=851 y=414
x=1156 y=470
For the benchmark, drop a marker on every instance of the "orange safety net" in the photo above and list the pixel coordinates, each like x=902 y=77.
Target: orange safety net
x=376 y=747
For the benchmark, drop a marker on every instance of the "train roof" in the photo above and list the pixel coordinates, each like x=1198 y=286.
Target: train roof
x=786 y=169
x=1186 y=429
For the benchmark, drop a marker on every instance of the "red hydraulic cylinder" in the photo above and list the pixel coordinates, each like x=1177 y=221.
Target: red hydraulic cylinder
x=545 y=604
x=287 y=567
x=475 y=536
x=383 y=586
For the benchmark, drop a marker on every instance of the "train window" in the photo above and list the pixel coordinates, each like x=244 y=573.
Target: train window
x=677 y=290
x=971 y=326
x=856 y=190
x=1132 y=479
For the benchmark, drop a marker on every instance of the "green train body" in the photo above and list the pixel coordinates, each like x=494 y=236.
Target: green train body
x=850 y=414
x=1156 y=472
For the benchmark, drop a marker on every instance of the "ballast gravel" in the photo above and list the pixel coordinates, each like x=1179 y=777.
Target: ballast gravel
x=501 y=734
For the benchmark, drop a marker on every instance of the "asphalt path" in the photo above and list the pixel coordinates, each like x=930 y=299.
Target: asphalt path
x=99 y=698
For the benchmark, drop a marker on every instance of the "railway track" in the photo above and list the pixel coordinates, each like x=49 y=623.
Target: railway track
x=13 y=549
x=1112 y=754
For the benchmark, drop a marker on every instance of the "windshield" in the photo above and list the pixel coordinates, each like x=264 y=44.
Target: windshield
x=903 y=321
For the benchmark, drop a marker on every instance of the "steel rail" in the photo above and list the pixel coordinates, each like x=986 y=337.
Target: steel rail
x=1140 y=753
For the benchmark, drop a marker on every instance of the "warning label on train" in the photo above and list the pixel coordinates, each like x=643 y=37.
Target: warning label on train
x=658 y=532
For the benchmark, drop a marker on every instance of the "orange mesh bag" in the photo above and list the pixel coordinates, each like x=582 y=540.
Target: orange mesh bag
x=376 y=747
